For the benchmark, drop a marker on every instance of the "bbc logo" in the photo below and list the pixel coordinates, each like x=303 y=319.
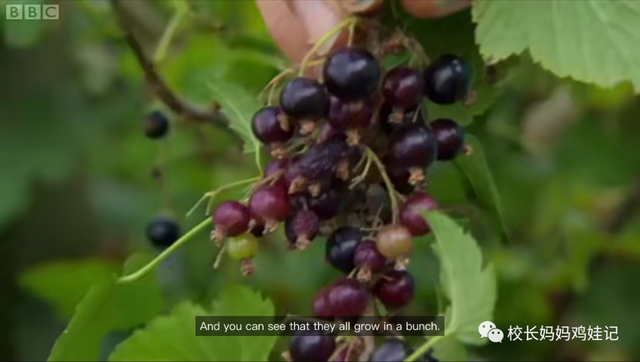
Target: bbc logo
x=31 y=12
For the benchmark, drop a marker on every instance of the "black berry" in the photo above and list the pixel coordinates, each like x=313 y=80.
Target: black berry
x=304 y=99
x=450 y=138
x=391 y=350
x=447 y=80
x=311 y=346
x=352 y=74
x=156 y=125
x=271 y=126
x=414 y=146
x=395 y=289
x=403 y=87
x=341 y=247
x=163 y=231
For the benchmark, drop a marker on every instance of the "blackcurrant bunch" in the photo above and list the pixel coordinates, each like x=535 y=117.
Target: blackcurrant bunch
x=163 y=231
x=156 y=125
x=447 y=80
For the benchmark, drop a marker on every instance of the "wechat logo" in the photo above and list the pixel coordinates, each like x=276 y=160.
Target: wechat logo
x=488 y=330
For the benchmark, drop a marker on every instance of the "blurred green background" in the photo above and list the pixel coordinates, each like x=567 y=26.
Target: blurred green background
x=76 y=185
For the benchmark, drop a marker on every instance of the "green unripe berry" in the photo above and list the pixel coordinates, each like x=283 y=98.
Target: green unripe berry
x=242 y=247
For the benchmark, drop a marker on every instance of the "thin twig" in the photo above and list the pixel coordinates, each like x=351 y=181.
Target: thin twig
x=160 y=87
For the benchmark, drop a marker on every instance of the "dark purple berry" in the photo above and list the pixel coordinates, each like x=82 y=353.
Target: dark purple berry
x=320 y=163
x=414 y=146
x=302 y=228
x=341 y=248
x=343 y=298
x=403 y=87
x=391 y=350
x=271 y=126
x=328 y=132
x=311 y=346
x=395 y=289
x=351 y=74
x=304 y=99
x=269 y=204
x=450 y=138
x=367 y=256
x=163 y=231
x=277 y=166
x=231 y=218
x=327 y=204
x=447 y=80
x=156 y=125
x=411 y=214
x=346 y=115
x=399 y=177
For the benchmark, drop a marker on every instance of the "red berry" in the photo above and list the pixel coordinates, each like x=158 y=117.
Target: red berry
x=395 y=289
x=302 y=228
x=368 y=256
x=343 y=298
x=231 y=218
x=411 y=214
x=269 y=204
x=403 y=87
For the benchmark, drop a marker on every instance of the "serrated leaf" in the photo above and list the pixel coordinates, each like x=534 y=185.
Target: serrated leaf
x=238 y=106
x=455 y=35
x=108 y=306
x=590 y=40
x=470 y=288
x=65 y=283
x=449 y=349
x=476 y=170
x=171 y=337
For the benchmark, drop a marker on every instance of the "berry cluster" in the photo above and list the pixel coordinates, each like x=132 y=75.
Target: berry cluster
x=350 y=157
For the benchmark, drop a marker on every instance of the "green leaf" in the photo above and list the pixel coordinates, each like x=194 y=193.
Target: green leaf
x=476 y=170
x=449 y=349
x=470 y=288
x=65 y=283
x=172 y=337
x=22 y=33
x=455 y=34
x=238 y=106
x=108 y=306
x=590 y=40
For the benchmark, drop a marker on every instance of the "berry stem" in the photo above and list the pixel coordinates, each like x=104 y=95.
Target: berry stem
x=423 y=349
x=165 y=41
x=212 y=194
x=390 y=189
x=165 y=254
x=321 y=41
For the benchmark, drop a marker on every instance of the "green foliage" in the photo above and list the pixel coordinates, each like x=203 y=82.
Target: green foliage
x=470 y=288
x=172 y=337
x=592 y=41
x=239 y=108
x=108 y=306
x=65 y=283
x=21 y=33
x=476 y=169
